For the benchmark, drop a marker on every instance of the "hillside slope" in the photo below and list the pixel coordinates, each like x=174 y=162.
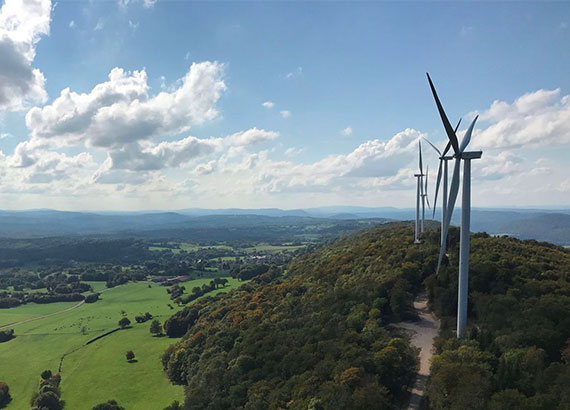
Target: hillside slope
x=315 y=338
x=517 y=353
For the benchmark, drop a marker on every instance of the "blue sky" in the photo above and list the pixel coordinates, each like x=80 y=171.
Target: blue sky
x=346 y=93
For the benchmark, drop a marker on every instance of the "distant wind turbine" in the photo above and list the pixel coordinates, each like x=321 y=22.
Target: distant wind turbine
x=460 y=154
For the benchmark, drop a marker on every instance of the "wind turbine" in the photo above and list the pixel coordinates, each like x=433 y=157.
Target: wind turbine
x=443 y=159
x=459 y=154
x=419 y=194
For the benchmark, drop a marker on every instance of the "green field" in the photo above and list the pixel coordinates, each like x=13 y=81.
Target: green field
x=97 y=372
x=260 y=247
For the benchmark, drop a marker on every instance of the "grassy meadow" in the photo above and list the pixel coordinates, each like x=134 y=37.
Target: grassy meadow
x=97 y=372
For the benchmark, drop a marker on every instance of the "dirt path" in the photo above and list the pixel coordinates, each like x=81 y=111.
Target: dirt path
x=423 y=332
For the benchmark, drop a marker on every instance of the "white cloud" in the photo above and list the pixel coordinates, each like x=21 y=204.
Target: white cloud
x=346 y=131
x=285 y=113
x=99 y=26
x=146 y=3
x=187 y=56
x=538 y=118
x=120 y=111
x=72 y=24
x=21 y=26
x=133 y=26
x=298 y=72
x=268 y=104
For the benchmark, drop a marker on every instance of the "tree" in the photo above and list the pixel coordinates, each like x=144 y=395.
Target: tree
x=110 y=405
x=6 y=335
x=124 y=322
x=46 y=374
x=155 y=327
x=48 y=400
x=4 y=394
x=175 y=405
x=130 y=355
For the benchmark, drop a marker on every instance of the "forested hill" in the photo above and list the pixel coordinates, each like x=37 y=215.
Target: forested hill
x=517 y=354
x=317 y=337
x=314 y=338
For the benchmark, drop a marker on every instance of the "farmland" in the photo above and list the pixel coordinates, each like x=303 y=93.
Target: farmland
x=97 y=372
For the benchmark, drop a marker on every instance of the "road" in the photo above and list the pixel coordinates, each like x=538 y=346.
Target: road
x=423 y=333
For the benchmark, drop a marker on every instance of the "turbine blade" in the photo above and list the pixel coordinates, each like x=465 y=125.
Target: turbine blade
x=448 y=129
x=453 y=191
x=449 y=142
x=433 y=146
x=427 y=171
x=437 y=186
x=467 y=136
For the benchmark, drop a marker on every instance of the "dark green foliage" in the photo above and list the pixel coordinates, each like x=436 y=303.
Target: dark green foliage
x=48 y=395
x=155 y=328
x=5 y=397
x=249 y=271
x=519 y=319
x=315 y=338
x=110 y=405
x=124 y=322
x=92 y=298
x=175 y=405
x=130 y=355
x=6 y=335
x=46 y=374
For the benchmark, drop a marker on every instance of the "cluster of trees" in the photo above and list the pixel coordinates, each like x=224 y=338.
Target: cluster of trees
x=92 y=298
x=517 y=353
x=198 y=291
x=5 y=397
x=110 y=405
x=60 y=251
x=315 y=338
x=48 y=396
x=249 y=271
x=5 y=335
x=175 y=291
x=143 y=318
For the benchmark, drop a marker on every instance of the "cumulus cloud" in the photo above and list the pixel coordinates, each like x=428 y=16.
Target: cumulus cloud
x=540 y=117
x=346 y=131
x=285 y=113
x=22 y=23
x=268 y=104
x=120 y=111
x=373 y=163
x=498 y=166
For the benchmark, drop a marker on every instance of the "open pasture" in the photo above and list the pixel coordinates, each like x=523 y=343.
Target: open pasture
x=97 y=372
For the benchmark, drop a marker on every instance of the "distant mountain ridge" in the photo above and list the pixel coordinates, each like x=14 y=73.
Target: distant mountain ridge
x=552 y=225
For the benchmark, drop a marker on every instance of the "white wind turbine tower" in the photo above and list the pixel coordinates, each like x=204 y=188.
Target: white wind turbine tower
x=425 y=198
x=419 y=227
x=443 y=158
x=460 y=154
